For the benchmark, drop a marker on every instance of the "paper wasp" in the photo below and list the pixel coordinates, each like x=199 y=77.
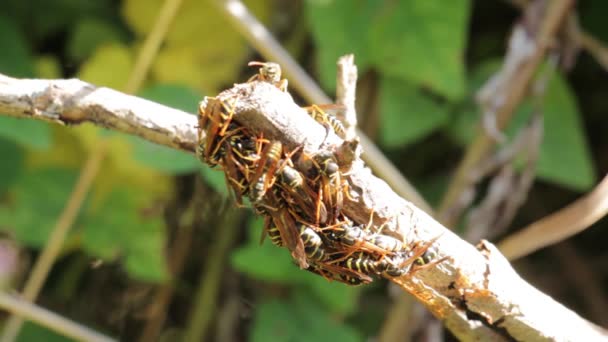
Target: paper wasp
x=269 y=72
x=318 y=113
x=294 y=183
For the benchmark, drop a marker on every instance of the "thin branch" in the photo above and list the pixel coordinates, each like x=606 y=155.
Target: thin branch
x=560 y=225
x=152 y=44
x=505 y=101
x=346 y=86
x=477 y=294
x=50 y=319
x=71 y=102
x=269 y=47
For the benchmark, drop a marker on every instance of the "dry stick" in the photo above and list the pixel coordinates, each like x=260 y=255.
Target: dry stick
x=50 y=319
x=474 y=294
x=560 y=225
x=517 y=87
x=346 y=93
x=90 y=170
x=263 y=41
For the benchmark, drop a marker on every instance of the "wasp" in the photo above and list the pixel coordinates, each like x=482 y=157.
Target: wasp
x=329 y=121
x=264 y=177
x=340 y=274
x=358 y=238
x=286 y=225
x=215 y=117
x=269 y=72
x=294 y=183
x=366 y=264
x=313 y=245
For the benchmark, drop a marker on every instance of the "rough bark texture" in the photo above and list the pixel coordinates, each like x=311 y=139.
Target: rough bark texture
x=475 y=291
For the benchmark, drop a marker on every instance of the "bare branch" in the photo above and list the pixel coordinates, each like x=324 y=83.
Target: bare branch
x=477 y=294
x=560 y=225
x=346 y=87
x=72 y=101
x=49 y=319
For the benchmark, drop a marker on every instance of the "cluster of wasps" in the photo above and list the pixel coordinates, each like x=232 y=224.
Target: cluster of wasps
x=299 y=195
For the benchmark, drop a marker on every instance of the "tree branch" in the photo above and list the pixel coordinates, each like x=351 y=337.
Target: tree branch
x=475 y=292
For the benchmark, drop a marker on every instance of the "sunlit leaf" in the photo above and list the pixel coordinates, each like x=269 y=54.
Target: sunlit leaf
x=337 y=297
x=173 y=95
x=122 y=227
x=46 y=19
x=215 y=178
x=265 y=262
x=35 y=332
x=202 y=49
x=565 y=157
x=47 y=66
x=419 y=41
x=15 y=59
x=88 y=34
x=300 y=319
x=30 y=133
x=163 y=158
x=39 y=197
x=407 y=113
x=12 y=160
x=424 y=42
x=109 y=66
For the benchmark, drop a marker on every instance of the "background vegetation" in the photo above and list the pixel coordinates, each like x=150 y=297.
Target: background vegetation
x=157 y=244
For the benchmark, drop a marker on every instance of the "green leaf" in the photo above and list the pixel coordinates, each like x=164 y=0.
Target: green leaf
x=163 y=158
x=90 y=33
x=30 y=133
x=13 y=161
x=565 y=157
x=407 y=113
x=423 y=42
x=337 y=297
x=340 y=27
x=34 y=332
x=215 y=178
x=15 y=59
x=120 y=228
x=173 y=95
x=419 y=41
x=39 y=198
x=301 y=319
x=47 y=19
x=267 y=261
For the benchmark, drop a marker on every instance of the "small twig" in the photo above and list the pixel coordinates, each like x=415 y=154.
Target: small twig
x=346 y=87
x=560 y=225
x=50 y=319
x=264 y=42
x=152 y=44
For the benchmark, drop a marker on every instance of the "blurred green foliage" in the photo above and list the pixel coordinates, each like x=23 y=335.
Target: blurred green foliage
x=425 y=89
